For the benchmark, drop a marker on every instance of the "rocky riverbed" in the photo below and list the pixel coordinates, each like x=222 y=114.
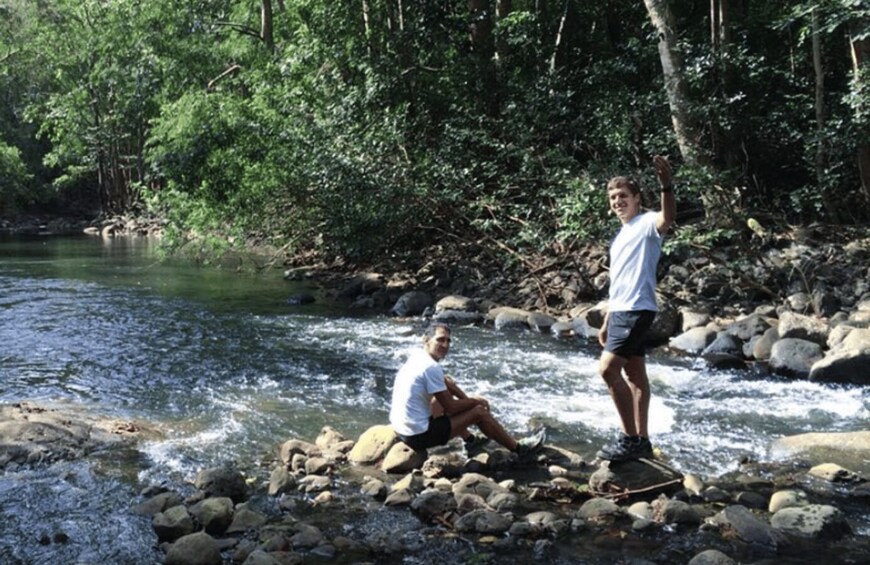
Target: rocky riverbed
x=371 y=499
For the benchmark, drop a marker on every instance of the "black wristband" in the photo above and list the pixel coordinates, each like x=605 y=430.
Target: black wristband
x=669 y=188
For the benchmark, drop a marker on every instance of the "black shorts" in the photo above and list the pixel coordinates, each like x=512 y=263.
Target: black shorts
x=437 y=434
x=626 y=332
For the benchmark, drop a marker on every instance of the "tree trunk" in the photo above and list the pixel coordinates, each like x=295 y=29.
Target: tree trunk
x=266 y=33
x=719 y=24
x=503 y=9
x=821 y=159
x=482 y=51
x=367 y=26
x=688 y=138
x=860 y=49
x=561 y=35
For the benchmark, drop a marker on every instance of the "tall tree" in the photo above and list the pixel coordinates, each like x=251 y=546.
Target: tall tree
x=686 y=131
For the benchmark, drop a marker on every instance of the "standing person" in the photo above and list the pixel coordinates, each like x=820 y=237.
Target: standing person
x=634 y=255
x=428 y=408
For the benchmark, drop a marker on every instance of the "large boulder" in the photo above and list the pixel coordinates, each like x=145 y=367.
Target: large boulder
x=402 y=459
x=740 y=522
x=222 y=481
x=456 y=302
x=802 y=327
x=194 y=549
x=794 y=357
x=843 y=366
x=746 y=328
x=508 y=319
x=373 y=445
x=412 y=303
x=693 y=341
x=725 y=352
x=848 y=448
x=812 y=521
x=664 y=326
x=215 y=514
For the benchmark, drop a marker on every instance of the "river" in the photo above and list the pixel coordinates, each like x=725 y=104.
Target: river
x=227 y=370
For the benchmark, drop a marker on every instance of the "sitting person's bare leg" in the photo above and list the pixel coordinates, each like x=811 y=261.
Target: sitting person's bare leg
x=482 y=418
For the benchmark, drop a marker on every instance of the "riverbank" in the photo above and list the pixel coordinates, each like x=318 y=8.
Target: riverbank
x=371 y=499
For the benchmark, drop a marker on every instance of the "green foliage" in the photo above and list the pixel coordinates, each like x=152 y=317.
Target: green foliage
x=699 y=236
x=581 y=210
x=376 y=137
x=13 y=180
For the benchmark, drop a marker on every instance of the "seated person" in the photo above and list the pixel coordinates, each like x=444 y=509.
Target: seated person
x=428 y=408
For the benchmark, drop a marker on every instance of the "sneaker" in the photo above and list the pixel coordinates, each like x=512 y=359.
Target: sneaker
x=644 y=448
x=627 y=448
x=531 y=444
x=475 y=441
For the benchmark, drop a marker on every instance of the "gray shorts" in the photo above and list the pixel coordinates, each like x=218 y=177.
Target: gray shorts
x=626 y=332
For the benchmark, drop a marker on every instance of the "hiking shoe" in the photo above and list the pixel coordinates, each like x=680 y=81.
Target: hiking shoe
x=475 y=442
x=627 y=448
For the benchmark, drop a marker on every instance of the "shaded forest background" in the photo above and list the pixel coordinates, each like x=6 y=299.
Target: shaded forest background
x=370 y=128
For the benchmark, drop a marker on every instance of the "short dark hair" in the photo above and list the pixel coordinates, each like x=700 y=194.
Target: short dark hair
x=433 y=327
x=627 y=182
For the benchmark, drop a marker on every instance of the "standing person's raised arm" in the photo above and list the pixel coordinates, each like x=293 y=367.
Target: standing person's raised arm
x=668 y=213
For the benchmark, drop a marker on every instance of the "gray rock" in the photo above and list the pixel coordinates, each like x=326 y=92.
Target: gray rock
x=172 y=524
x=222 y=481
x=540 y=322
x=401 y=497
x=711 y=557
x=678 y=512
x=509 y=319
x=483 y=522
x=693 y=341
x=726 y=352
x=786 y=499
x=298 y=447
x=842 y=366
x=596 y=508
x=245 y=519
x=402 y=459
x=281 y=480
x=475 y=483
x=215 y=514
x=459 y=317
x=762 y=348
x=794 y=357
x=812 y=521
x=751 y=499
x=693 y=319
x=373 y=445
x=825 y=303
x=716 y=494
x=306 y=536
x=432 y=503
x=158 y=503
x=798 y=326
x=458 y=303
x=745 y=328
x=411 y=303
x=748 y=527
x=664 y=325
x=194 y=549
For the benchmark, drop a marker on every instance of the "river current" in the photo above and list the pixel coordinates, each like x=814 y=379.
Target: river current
x=227 y=370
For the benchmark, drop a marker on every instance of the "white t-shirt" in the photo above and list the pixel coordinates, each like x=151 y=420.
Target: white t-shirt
x=416 y=382
x=634 y=255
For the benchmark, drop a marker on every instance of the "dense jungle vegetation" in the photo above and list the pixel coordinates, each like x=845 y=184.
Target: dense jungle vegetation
x=367 y=128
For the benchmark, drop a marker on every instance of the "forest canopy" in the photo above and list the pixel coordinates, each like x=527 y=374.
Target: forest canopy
x=370 y=127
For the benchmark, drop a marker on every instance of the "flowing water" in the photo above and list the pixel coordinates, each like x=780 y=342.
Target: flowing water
x=227 y=370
